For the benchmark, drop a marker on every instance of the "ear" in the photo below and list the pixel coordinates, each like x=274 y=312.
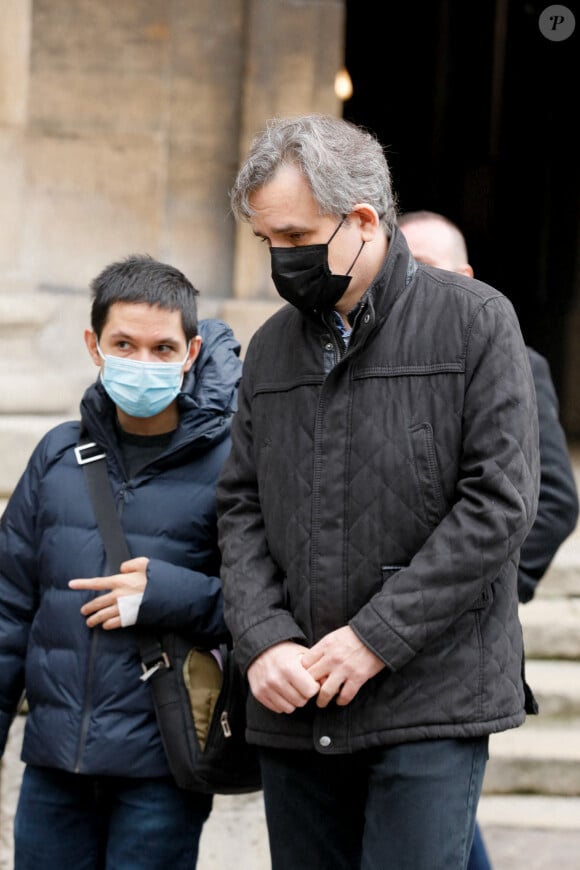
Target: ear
x=91 y=343
x=368 y=219
x=194 y=349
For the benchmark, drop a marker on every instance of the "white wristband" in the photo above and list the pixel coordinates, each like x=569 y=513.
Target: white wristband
x=129 y=608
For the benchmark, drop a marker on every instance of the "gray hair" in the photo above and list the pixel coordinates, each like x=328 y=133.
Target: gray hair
x=343 y=164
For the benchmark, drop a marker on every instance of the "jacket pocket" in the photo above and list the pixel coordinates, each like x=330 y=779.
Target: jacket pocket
x=428 y=477
x=484 y=599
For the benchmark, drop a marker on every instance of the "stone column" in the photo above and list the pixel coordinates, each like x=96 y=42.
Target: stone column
x=203 y=117
x=14 y=65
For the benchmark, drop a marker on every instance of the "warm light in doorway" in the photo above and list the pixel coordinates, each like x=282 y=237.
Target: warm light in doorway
x=343 y=84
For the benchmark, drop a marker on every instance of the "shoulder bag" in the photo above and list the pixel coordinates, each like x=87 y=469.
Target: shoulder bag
x=199 y=695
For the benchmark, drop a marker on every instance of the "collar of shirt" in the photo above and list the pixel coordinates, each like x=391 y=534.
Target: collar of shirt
x=345 y=333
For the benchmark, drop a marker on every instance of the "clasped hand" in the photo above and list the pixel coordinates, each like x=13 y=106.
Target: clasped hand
x=286 y=676
x=104 y=610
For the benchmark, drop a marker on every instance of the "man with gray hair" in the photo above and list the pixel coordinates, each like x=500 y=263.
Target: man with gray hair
x=383 y=475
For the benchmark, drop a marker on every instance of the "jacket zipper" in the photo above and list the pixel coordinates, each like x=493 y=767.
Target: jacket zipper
x=87 y=706
x=339 y=352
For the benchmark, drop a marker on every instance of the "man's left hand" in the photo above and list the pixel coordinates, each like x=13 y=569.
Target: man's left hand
x=104 y=610
x=341 y=664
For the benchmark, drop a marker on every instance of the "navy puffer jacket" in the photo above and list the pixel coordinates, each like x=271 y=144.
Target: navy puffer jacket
x=89 y=712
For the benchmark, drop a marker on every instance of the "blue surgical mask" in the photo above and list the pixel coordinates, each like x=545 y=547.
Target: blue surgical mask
x=141 y=389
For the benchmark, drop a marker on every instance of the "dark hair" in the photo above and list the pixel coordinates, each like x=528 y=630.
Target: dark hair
x=140 y=278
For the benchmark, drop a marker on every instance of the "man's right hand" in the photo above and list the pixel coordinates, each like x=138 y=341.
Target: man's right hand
x=279 y=681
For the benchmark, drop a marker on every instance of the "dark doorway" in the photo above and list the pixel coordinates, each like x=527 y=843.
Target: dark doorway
x=478 y=113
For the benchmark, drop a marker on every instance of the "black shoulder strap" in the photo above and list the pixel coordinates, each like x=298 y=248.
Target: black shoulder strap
x=92 y=458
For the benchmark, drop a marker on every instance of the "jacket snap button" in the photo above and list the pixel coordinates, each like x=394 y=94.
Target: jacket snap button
x=366 y=318
x=328 y=346
x=325 y=741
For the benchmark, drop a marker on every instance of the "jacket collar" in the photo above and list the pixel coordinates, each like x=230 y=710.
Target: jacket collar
x=393 y=278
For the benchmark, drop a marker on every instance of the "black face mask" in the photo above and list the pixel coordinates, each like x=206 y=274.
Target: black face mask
x=302 y=276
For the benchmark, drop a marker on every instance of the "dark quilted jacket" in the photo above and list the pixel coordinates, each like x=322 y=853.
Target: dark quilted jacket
x=389 y=487
x=558 y=502
x=89 y=712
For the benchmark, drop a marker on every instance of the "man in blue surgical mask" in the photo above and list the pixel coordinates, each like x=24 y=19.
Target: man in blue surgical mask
x=96 y=787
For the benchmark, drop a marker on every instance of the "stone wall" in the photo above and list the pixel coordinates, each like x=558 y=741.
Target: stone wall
x=121 y=125
x=121 y=128
x=124 y=138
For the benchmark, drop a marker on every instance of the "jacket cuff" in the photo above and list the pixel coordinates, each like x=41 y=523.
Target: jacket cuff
x=274 y=630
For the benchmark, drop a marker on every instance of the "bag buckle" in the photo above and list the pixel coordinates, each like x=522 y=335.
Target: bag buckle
x=88 y=452
x=148 y=671
x=225 y=723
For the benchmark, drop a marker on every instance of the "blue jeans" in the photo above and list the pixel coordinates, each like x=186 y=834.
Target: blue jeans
x=66 y=821
x=406 y=807
x=478 y=857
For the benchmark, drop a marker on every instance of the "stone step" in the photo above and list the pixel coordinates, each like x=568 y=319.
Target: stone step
x=531 y=832
x=562 y=579
x=543 y=755
x=556 y=686
x=25 y=393
x=23 y=316
x=563 y=576
x=530 y=811
x=42 y=351
x=551 y=628
x=18 y=437
x=25 y=311
x=540 y=757
x=531 y=849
